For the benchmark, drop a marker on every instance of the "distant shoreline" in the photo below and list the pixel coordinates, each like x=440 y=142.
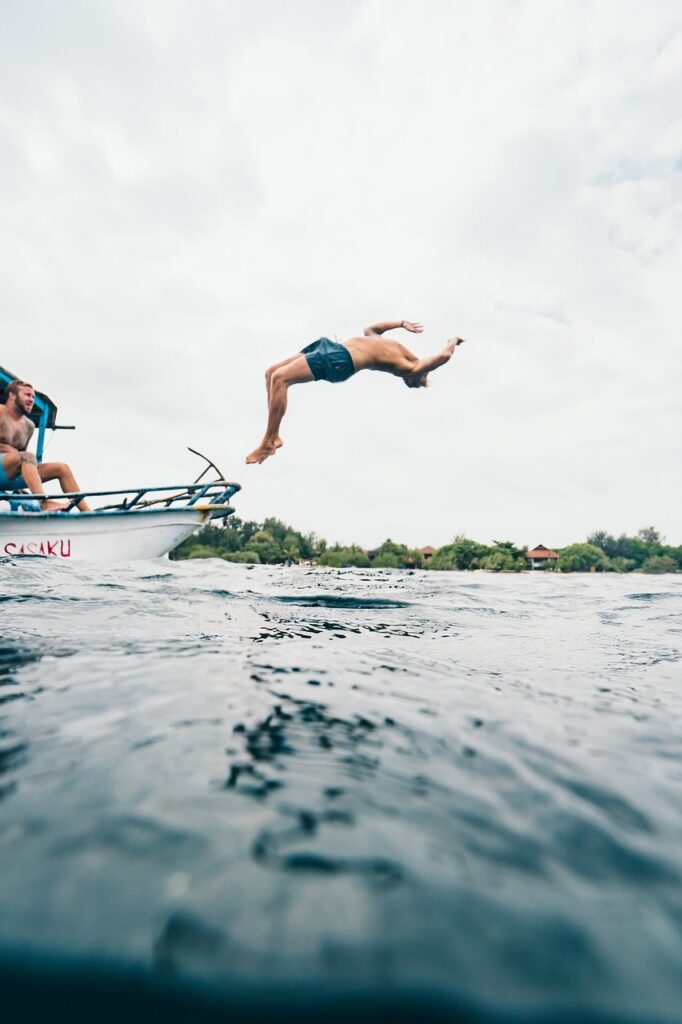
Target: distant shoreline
x=273 y=542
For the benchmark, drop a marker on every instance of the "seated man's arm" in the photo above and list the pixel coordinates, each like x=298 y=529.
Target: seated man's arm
x=375 y=330
x=14 y=461
x=19 y=454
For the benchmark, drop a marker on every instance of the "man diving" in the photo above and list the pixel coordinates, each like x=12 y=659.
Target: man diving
x=18 y=467
x=335 y=362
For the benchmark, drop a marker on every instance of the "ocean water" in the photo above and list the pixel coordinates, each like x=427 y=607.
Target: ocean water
x=286 y=793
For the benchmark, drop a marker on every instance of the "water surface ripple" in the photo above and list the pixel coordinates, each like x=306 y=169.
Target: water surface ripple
x=456 y=791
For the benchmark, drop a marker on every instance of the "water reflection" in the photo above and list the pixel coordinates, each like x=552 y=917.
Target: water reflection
x=13 y=657
x=13 y=747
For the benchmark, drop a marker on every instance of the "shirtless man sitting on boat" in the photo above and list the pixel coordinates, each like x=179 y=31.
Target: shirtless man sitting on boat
x=19 y=468
x=332 y=361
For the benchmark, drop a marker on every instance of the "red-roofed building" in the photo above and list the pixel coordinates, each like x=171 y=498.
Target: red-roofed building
x=540 y=556
x=428 y=552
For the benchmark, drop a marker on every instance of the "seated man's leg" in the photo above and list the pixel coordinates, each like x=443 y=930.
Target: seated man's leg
x=21 y=469
x=67 y=481
x=10 y=469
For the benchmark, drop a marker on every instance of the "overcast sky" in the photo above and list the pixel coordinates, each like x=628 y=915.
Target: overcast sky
x=190 y=191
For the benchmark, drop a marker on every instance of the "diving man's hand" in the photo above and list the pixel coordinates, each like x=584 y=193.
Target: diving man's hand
x=413 y=328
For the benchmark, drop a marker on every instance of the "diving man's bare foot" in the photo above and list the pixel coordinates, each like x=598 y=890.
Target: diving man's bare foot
x=279 y=442
x=53 y=506
x=261 y=454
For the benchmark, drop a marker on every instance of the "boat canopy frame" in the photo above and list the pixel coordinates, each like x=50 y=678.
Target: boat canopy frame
x=43 y=415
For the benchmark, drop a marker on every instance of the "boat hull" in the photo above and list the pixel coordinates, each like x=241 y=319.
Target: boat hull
x=99 y=536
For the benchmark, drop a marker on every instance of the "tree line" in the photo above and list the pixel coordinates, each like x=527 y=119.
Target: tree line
x=274 y=542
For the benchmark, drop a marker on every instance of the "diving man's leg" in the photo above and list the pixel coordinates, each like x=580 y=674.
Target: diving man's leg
x=294 y=371
x=268 y=379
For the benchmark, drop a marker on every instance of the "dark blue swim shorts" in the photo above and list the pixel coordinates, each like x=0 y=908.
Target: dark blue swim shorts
x=17 y=483
x=328 y=360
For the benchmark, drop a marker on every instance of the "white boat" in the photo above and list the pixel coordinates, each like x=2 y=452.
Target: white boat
x=142 y=522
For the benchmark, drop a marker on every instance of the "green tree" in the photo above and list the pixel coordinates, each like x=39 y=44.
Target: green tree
x=242 y=556
x=497 y=560
x=619 y=564
x=229 y=537
x=243 y=529
x=650 y=535
x=461 y=554
x=675 y=553
x=637 y=549
x=265 y=546
x=387 y=560
x=605 y=541
x=632 y=548
x=310 y=545
x=504 y=556
x=293 y=545
x=582 y=558
x=659 y=564
x=202 y=551
x=501 y=559
x=396 y=556
x=338 y=556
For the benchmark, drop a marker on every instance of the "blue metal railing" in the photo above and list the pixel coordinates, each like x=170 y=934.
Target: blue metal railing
x=216 y=494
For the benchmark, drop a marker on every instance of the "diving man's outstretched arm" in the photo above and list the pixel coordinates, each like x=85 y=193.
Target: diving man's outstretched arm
x=424 y=366
x=391 y=325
